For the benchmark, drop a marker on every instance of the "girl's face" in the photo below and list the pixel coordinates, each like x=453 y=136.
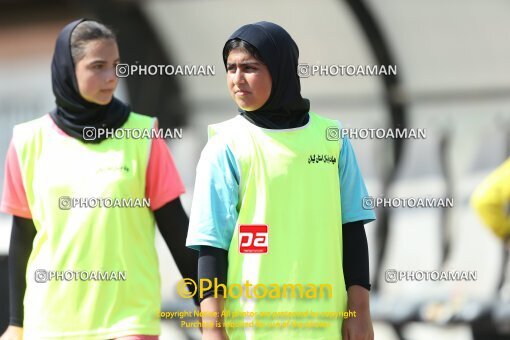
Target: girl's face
x=248 y=80
x=95 y=72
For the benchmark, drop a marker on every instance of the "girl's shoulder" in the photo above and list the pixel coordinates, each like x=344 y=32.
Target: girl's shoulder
x=44 y=120
x=141 y=120
x=323 y=120
x=224 y=128
x=29 y=129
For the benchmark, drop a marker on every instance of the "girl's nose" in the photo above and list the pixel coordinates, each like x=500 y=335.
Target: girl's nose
x=238 y=77
x=111 y=75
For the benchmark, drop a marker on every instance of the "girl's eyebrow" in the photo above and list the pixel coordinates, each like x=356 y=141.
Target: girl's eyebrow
x=102 y=61
x=248 y=62
x=98 y=61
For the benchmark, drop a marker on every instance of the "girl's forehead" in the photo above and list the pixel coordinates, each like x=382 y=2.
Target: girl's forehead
x=100 y=47
x=240 y=54
x=100 y=43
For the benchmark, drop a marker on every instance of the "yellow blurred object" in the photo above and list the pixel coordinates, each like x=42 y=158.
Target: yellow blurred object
x=491 y=200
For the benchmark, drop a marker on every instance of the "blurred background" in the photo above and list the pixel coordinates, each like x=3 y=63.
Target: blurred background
x=453 y=60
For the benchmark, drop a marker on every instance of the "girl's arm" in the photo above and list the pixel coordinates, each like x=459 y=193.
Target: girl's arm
x=213 y=264
x=22 y=237
x=212 y=304
x=355 y=255
x=173 y=222
x=358 y=324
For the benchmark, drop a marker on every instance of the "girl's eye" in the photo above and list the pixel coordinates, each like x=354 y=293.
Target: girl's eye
x=97 y=66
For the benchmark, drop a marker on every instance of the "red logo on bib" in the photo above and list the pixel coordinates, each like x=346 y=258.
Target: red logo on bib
x=253 y=238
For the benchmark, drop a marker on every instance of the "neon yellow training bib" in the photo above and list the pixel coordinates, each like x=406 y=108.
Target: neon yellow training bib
x=93 y=272
x=288 y=181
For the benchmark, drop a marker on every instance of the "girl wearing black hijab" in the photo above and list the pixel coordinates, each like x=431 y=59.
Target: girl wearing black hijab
x=278 y=203
x=78 y=270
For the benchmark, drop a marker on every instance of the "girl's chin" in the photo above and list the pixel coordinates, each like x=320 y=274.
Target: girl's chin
x=246 y=107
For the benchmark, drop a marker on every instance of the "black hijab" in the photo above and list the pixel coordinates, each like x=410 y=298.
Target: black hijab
x=73 y=112
x=285 y=107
